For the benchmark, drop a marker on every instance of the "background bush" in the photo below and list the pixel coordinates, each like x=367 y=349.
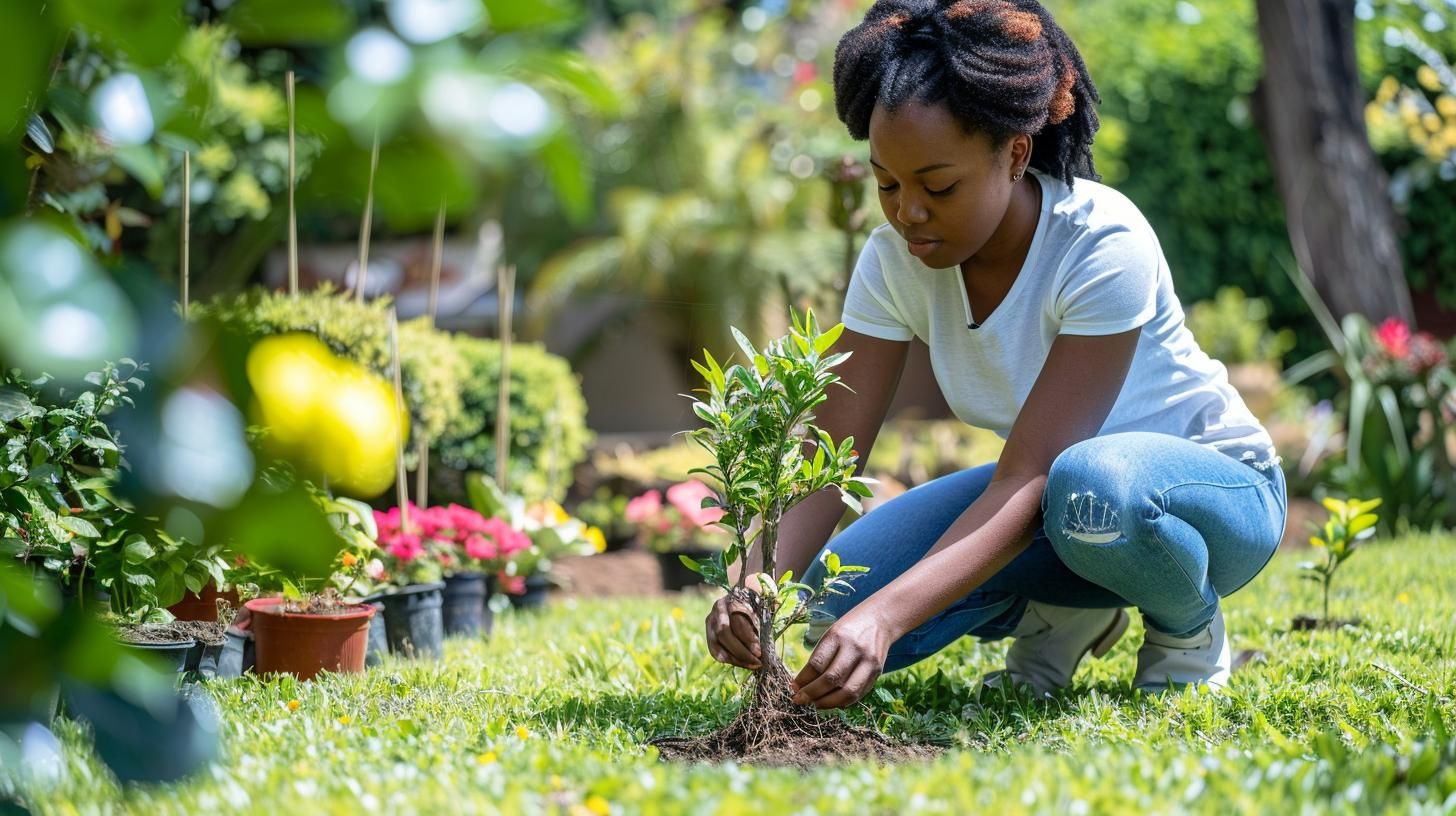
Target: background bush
x=547 y=424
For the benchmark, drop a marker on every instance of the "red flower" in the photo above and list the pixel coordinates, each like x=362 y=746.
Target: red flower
x=481 y=548
x=511 y=584
x=805 y=72
x=1394 y=336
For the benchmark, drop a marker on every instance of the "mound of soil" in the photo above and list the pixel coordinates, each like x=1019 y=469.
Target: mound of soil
x=772 y=730
x=1307 y=623
x=175 y=632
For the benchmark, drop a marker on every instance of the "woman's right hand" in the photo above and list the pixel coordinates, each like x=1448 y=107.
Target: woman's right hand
x=733 y=633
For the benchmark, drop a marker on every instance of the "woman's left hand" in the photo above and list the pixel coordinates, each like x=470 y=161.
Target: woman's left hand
x=846 y=662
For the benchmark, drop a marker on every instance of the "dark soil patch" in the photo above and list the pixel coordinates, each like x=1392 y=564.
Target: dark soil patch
x=1309 y=623
x=206 y=632
x=328 y=602
x=772 y=730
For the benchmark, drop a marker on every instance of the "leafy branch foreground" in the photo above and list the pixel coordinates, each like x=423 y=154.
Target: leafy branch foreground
x=767 y=457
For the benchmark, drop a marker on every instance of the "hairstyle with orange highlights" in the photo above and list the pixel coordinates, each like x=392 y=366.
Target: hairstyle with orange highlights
x=1000 y=66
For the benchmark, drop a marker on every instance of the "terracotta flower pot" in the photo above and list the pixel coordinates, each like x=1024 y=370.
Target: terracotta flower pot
x=305 y=645
x=202 y=606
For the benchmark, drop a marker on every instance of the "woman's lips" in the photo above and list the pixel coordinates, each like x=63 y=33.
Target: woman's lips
x=922 y=248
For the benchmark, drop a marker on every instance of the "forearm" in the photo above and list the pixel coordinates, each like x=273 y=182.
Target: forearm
x=985 y=538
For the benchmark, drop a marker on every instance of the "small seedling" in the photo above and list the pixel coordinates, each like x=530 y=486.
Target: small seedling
x=1350 y=522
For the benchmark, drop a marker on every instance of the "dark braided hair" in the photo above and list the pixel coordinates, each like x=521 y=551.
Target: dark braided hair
x=1000 y=66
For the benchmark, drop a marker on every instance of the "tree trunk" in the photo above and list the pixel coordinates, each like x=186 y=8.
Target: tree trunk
x=1310 y=109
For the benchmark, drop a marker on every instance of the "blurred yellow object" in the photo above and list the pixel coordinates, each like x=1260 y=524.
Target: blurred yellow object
x=330 y=415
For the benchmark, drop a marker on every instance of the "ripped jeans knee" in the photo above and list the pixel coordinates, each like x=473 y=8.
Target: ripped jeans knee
x=1090 y=519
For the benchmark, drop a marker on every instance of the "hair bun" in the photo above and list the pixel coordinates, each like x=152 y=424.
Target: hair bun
x=1063 y=104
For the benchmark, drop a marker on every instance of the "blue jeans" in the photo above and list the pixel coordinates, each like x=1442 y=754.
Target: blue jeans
x=1144 y=520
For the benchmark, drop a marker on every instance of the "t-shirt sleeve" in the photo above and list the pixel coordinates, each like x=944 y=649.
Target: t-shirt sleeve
x=1111 y=286
x=869 y=307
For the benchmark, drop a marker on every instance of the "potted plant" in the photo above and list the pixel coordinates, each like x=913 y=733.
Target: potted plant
x=414 y=592
x=525 y=575
x=681 y=526
x=316 y=624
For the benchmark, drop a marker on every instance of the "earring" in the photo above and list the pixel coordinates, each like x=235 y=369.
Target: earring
x=1018 y=175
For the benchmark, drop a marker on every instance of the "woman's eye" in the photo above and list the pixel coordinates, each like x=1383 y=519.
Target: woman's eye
x=943 y=191
x=888 y=188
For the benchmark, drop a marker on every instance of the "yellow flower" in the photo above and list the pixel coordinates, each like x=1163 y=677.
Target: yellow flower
x=1431 y=121
x=616 y=626
x=598 y=541
x=555 y=780
x=1429 y=79
x=345 y=720
x=1446 y=104
x=523 y=732
x=645 y=625
x=598 y=805
x=349 y=560
x=293 y=705
x=1403 y=597
x=677 y=613
x=487 y=758
x=1388 y=88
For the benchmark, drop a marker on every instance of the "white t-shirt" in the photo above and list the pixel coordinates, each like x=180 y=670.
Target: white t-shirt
x=1094 y=267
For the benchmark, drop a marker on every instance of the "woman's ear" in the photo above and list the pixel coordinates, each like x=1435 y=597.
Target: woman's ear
x=1020 y=154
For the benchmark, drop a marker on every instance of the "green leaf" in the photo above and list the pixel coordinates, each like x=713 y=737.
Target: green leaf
x=562 y=156
x=515 y=15
x=831 y=562
x=691 y=564
x=285 y=22
x=14 y=405
x=79 y=526
x=147 y=31
x=142 y=163
x=749 y=352
x=138 y=550
x=828 y=338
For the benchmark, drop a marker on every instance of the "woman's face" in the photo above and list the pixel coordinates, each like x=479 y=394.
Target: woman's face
x=943 y=189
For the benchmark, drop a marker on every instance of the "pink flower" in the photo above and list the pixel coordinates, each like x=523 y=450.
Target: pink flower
x=688 y=497
x=511 y=584
x=1394 y=336
x=464 y=521
x=404 y=546
x=374 y=569
x=481 y=548
x=644 y=506
x=805 y=72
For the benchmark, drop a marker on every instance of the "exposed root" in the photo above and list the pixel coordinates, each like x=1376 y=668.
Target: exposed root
x=772 y=730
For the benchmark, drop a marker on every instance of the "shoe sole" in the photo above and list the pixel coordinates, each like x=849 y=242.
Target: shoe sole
x=1111 y=635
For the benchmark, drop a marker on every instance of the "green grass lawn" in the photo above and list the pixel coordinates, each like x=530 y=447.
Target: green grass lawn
x=553 y=713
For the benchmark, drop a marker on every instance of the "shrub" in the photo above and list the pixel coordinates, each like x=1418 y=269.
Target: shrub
x=1234 y=329
x=548 y=433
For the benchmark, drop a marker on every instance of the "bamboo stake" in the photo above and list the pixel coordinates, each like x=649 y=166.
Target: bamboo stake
x=186 y=272
x=400 y=485
x=505 y=291
x=292 y=183
x=422 y=450
x=435 y=260
x=368 y=221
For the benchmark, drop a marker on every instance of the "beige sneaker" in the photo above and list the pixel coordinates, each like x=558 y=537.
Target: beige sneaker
x=1052 y=640
x=1166 y=662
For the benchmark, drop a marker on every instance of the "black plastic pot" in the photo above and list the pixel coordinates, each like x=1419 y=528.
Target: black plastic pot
x=378 y=638
x=676 y=576
x=172 y=656
x=413 y=621
x=464 y=608
x=238 y=655
x=535 y=595
x=202 y=659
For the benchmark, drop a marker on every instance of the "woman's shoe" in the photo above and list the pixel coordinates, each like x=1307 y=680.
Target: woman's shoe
x=1165 y=662
x=1052 y=640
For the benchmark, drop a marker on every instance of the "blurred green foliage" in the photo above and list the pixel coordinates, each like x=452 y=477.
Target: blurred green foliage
x=1234 y=328
x=548 y=433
